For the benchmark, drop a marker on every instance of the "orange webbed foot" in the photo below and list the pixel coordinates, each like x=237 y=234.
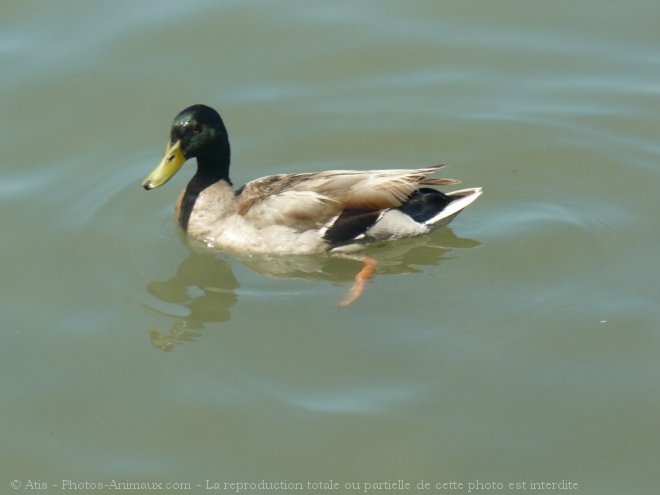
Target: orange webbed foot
x=361 y=278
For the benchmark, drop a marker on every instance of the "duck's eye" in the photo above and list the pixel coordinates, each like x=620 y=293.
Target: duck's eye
x=196 y=128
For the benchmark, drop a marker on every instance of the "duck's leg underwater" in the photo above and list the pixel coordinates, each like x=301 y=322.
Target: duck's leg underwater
x=368 y=270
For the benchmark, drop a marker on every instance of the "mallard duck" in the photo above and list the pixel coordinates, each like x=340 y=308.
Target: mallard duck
x=335 y=211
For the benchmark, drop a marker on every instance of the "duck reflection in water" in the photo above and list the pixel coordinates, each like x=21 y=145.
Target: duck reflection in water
x=204 y=285
x=205 y=288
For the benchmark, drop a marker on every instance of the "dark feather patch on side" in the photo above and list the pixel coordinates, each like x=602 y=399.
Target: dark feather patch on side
x=350 y=224
x=424 y=204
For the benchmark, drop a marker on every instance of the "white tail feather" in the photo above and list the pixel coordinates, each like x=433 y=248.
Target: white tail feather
x=467 y=197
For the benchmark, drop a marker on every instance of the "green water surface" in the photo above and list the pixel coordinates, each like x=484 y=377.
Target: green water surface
x=519 y=346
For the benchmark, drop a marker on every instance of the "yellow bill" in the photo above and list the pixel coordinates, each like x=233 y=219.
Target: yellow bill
x=168 y=166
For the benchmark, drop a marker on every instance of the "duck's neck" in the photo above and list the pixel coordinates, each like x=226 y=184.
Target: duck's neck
x=212 y=167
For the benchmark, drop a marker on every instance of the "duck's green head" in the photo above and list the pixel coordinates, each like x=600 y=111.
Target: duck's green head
x=197 y=131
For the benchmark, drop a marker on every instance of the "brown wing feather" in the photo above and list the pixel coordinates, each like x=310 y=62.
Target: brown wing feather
x=266 y=187
x=306 y=198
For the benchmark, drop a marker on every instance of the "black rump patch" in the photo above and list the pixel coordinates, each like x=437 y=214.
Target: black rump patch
x=350 y=224
x=425 y=203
